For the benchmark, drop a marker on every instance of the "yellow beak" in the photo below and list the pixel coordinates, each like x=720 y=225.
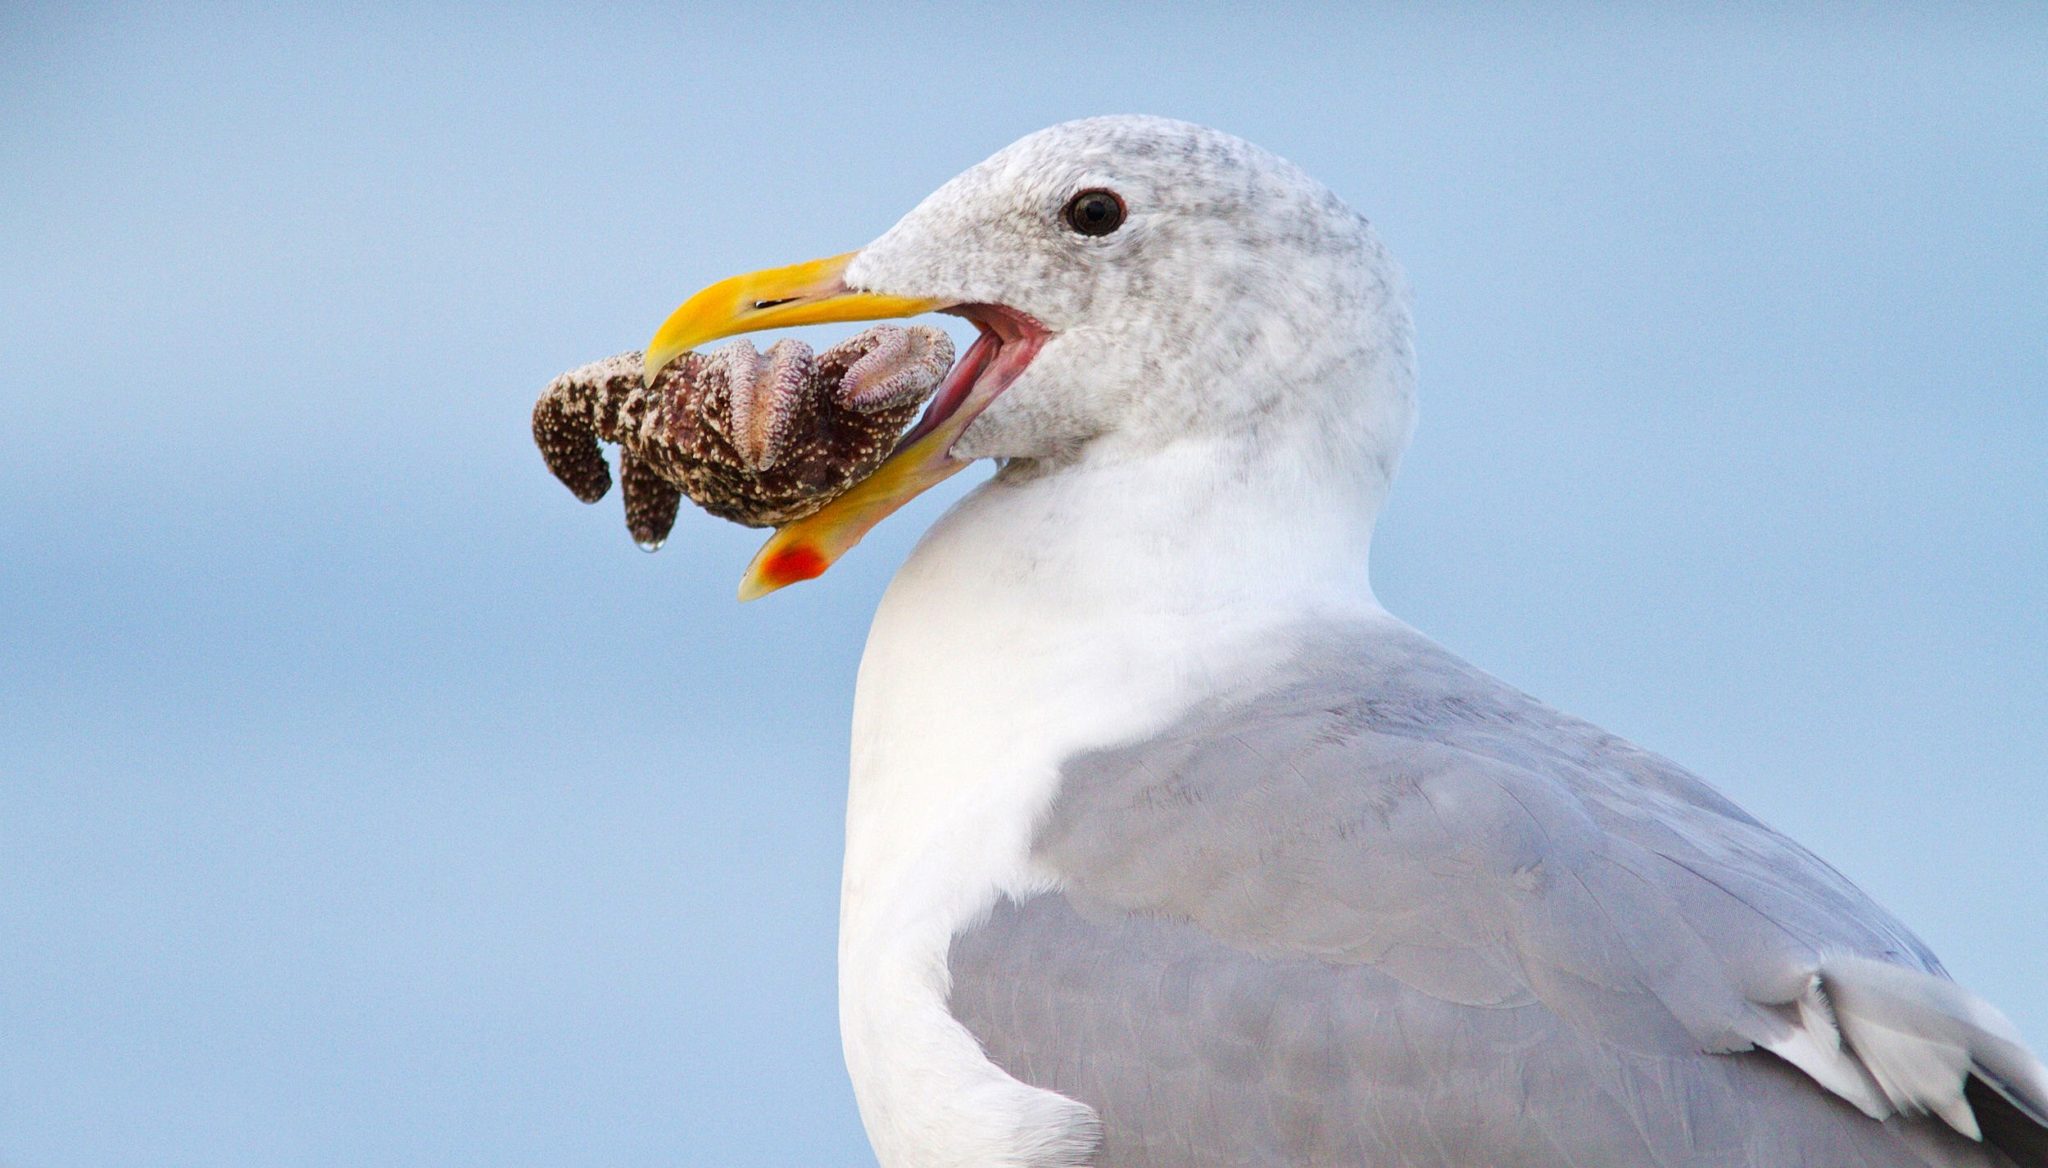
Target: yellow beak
x=811 y=293
x=814 y=292
x=802 y=549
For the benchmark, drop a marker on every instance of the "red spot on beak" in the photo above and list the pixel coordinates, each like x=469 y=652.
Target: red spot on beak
x=795 y=563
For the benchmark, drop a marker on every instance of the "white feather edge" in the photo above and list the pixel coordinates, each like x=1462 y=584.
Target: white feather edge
x=1895 y=1040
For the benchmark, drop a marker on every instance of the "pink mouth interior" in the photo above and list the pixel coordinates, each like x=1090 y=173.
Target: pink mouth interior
x=1009 y=340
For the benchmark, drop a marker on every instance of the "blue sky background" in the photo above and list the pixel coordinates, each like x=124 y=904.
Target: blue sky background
x=366 y=800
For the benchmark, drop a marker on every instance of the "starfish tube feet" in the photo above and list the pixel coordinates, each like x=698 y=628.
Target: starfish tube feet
x=757 y=438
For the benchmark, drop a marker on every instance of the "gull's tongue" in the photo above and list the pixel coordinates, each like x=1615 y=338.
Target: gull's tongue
x=952 y=393
x=804 y=548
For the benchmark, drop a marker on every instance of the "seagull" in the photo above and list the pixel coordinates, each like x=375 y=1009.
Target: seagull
x=1168 y=847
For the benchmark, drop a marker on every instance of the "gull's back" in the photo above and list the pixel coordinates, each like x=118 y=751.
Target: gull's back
x=1386 y=910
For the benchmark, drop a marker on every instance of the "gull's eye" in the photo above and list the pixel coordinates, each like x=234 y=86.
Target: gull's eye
x=1094 y=212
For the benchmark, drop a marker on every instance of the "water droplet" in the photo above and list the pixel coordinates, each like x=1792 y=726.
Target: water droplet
x=651 y=545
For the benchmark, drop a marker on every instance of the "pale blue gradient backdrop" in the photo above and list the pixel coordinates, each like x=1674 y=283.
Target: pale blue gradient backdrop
x=366 y=800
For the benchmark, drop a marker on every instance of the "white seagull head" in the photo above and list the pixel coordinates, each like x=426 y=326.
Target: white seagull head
x=1137 y=282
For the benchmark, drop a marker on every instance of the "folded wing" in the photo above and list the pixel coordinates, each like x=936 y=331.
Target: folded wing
x=1386 y=906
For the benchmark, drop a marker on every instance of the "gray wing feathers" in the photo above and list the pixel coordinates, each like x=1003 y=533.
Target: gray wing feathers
x=1423 y=911
x=1917 y=1039
x=1197 y=1054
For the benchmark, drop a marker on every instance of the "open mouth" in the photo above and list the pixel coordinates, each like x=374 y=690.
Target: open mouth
x=816 y=292
x=1008 y=341
x=924 y=457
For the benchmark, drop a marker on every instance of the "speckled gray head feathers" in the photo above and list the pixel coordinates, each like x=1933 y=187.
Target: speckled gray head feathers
x=1238 y=292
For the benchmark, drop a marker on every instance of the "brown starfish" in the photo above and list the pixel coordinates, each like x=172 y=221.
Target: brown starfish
x=757 y=438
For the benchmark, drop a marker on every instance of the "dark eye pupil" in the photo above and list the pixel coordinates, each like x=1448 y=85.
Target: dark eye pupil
x=1095 y=212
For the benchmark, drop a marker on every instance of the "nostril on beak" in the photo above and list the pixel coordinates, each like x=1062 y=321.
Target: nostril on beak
x=758 y=305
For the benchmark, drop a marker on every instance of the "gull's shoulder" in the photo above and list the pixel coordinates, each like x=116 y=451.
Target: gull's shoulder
x=1381 y=749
